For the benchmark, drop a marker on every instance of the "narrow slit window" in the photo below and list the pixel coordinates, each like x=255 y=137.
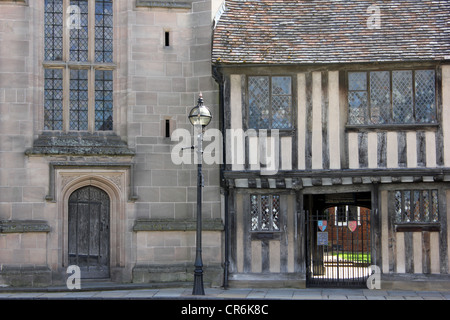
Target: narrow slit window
x=167 y=128
x=167 y=39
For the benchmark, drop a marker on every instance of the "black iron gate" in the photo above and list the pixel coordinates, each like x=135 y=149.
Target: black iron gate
x=338 y=247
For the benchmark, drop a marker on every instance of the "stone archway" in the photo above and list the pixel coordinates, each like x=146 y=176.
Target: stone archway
x=88 y=232
x=114 y=185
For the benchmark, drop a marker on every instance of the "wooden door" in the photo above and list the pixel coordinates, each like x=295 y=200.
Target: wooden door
x=89 y=232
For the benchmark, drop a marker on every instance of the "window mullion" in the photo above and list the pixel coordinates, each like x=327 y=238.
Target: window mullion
x=66 y=31
x=66 y=71
x=91 y=57
x=414 y=95
x=91 y=99
x=66 y=99
x=368 y=114
x=270 y=104
x=271 y=197
x=260 y=216
x=391 y=120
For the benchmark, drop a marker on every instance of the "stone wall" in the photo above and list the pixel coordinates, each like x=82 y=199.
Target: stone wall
x=155 y=82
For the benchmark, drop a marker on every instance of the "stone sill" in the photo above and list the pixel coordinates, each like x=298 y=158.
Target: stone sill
x=13 y=2
x=23 y=226
x=79 y=143
x=163 y=4
x=176 y=225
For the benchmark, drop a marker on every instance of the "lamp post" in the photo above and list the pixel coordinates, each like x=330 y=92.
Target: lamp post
x=200 y=116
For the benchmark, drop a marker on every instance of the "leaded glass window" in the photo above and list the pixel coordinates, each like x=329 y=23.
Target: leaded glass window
x=103 y=31
x=79 y=99
x=357 y=97
x=425 y=96
x=79 y=40
x=270 y=102
x=392 y=97
x=265 y=212
x=78 y=95
x=416 y=206
x=103 y=100
x=53 y=107
x=53 y=30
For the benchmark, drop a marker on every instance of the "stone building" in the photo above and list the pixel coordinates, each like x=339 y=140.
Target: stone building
x=332 y=105
x=90 y=92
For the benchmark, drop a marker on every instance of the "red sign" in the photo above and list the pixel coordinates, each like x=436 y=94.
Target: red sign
x=352 y=225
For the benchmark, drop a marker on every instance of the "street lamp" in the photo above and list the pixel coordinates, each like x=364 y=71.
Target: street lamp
x=200 y=116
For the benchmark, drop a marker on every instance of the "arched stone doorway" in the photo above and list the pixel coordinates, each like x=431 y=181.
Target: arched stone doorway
x=89 y=232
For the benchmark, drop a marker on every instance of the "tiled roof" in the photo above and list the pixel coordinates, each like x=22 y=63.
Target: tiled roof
x=331 y=31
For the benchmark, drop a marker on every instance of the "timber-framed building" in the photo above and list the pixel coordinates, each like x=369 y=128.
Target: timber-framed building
x=343 y=108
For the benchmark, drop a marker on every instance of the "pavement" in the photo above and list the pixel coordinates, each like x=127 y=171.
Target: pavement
x=114 y=291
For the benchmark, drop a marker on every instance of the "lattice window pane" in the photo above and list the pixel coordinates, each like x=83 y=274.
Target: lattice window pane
x=357 y=81
x=281 y=85
x=402 y=96
x=79 y=31
x=258 y=91
x=276 y=213
x=398 y=206
x=281 y=112
x=78 y=100
x=53 y=30
x=434 y=206
x=357 y=97
x=103 y=31
x=425 y=96
x=265 y=213
x=380 y=97
x=416 y=206
x=103 y=100
x=254 y=212
x=426 y=205
x=407 y=208
x=53 y=99
x=281 y=103
x=358 y=107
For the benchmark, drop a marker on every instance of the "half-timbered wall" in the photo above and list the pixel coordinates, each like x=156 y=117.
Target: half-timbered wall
x=265 y=255
x=323 y=140
x=414 y=249
x=323 y=152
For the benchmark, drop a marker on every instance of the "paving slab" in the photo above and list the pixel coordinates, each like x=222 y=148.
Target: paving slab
x=140 y=294
x=368 y=292
x=279 y=294
x=361 y=297
x=112 y=294
x=257 y=294
x=402 y=293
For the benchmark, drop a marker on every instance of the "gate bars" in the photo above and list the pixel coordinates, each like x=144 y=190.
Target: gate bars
x=338 y=247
